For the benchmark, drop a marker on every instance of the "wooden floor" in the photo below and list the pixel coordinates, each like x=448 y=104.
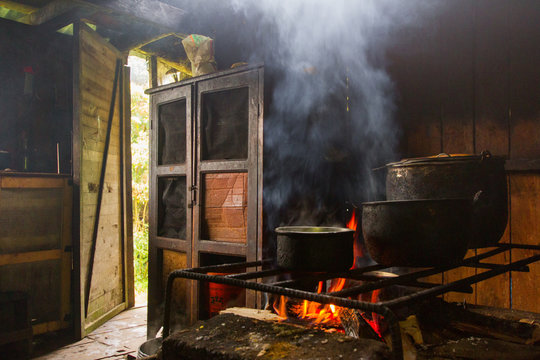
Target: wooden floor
x=117 y=338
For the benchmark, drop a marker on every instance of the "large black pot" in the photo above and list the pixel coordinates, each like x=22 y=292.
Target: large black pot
x=456 y=176
x=420 y=233
x=311 y=248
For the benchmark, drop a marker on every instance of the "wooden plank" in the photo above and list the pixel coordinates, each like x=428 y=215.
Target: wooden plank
x=415 y=67
x=31 y=256
x=67 y=256
x=457 y=101
x=495 y=291
x=491 y=77
x=9 y=182
x=154 y=11
x=49 y=326
x=457 y=55
x=525 y=229
x=224 y=207
x=524 y=79
x=128 y=200
x=173 y=260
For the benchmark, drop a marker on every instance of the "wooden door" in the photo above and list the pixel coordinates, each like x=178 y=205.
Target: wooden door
x=170 y=200
x=102 y=184
x=227 y=175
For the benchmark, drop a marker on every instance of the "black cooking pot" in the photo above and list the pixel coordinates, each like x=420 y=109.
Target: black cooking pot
x=456 y=176
x=420 y=233
x=311 y=248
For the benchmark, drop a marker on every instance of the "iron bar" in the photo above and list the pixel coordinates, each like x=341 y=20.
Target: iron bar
x=340 y=298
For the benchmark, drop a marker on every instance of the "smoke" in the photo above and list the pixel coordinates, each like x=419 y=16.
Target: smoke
x=332 y=103
x=331 y=119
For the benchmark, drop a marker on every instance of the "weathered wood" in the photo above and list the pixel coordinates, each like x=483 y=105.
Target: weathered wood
x=415 y=68
x=486 y=322
x=155 y=12
x=27 y=257
x=10 y=182
x=525 y=165
x=457 y=74
x=525 y=229
x=524 y=79
x=495 y=291
x=128 y=200
x=173 y=260
x=492 y=105
x=479 y=349
x=106 y=295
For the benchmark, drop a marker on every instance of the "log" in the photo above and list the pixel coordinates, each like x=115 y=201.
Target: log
x=502 y=324
x=479 y=349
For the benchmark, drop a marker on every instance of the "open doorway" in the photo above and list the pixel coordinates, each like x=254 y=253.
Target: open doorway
x=140 y=156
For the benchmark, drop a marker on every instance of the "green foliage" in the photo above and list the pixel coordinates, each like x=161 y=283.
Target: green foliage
x=140 y=257
x=140 y=178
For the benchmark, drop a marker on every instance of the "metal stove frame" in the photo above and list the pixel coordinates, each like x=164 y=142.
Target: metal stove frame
x=424 y=290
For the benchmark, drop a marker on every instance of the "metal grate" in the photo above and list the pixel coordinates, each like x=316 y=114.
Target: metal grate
x=420 y=290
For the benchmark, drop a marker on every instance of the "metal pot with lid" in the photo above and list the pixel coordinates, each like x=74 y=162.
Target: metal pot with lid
x=448 y=176
x=314 y=248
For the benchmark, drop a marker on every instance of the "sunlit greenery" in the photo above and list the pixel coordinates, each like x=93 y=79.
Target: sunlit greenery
x=140 y=181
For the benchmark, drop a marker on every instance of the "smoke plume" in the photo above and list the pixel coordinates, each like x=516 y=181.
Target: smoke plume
x=331 y=119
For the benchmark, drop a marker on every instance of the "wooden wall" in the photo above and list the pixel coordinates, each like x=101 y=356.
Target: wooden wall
x=467 y=79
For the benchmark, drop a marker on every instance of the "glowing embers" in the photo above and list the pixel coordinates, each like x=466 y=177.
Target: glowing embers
x=330 y=317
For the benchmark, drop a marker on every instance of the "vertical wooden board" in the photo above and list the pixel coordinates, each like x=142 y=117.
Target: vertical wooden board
x=457 y=101
x=495 y=291
x=414 y=66
x=525 y=79
x=525 y=229
x=173 y=260
x=457 y=274
x=491 y=77
x=224 y=207
x=457 y=73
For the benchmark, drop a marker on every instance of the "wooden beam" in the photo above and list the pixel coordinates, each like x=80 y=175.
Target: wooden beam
x=27 y=257
x=14 y=5
x=153 y=11
x=50 y=11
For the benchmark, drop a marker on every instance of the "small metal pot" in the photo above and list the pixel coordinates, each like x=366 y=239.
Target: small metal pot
x=456 y=176
x=311 y=248
x=421 y=233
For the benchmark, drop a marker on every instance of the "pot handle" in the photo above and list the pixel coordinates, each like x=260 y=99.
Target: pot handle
x=485 y=154
x=478 y=197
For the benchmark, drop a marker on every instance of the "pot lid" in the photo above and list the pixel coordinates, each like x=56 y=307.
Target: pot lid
x=443 y=158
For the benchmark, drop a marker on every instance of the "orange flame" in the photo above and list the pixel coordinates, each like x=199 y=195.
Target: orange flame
x=323 y=314
x=358 y=252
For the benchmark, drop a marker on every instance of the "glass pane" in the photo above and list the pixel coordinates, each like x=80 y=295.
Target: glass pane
x=172 y=133
x=172 y=207
x=225 y=124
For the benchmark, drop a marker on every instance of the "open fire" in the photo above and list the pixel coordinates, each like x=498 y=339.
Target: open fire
x=330 y=315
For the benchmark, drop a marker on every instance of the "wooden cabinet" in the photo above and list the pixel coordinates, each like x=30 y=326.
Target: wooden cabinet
x=206 y=183
x=35 y=245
